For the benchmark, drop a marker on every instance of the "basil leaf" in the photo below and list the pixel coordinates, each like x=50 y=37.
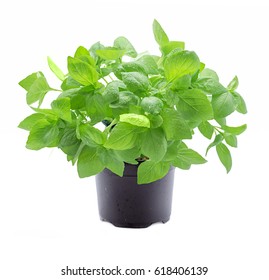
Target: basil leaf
x=149 y=64
x=135 y=119
x=91 y=135
x=43 y=134
x=172 y=45
x=236 y=130
x=150 y=171
x=123 y=136
x=152 y=105
x=125 y=99
x=154 y=144
x=180 y=63
x=206 y=129
x=174 y=125
x=224 y=156
x=55 y=69
x=36 y=86
x=223 y=104
x=210 y=86
x=240 y=103
x=135 y=82
x=190 y=156
x=124 y=44
x=159 y=34
x=233 y=84
x=29 y=122
x=231 y=140
x=110 y=53
x=208 y=73
x=218 y=139
x=129 y=155
x=89 y=163
x=194 y=105
x=82 y=72
x=111 y=161
x=62 y=108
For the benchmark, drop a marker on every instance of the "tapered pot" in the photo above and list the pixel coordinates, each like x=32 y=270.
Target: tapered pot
x=124 y=203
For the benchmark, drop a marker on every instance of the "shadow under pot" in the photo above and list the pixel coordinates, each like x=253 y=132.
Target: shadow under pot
x=124 y=203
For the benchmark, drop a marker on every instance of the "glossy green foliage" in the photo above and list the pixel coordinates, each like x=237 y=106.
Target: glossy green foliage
x=116 y=106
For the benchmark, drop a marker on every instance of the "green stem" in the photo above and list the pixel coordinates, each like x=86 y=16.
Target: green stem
x=54 y=89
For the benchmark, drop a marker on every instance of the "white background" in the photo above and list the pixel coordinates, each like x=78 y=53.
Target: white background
x=49 y=216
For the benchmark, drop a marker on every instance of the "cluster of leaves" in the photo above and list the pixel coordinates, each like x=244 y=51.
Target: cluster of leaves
x=149 y=105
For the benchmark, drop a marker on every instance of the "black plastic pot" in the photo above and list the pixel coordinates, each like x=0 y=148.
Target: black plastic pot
x=124 y=203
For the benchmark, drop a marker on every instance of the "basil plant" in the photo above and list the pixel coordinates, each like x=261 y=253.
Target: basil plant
x=115 y=106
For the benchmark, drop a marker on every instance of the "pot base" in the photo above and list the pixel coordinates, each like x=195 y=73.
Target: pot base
x=132 y=225
x=124 y=203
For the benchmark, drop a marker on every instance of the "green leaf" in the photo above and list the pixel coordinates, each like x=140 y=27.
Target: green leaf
x=91 y=135
x=70 y=83
x=190 y=156
x=172 y=151
x=208 y=73
x=124 y=44
x=150 y=171
x=154 y=144
x=132 y=66
x=210 y=86
x=155 y=121
x=224 y=156
x=111 y=161
x=178 y=64
x=171 y=98
x=240 y=103
x=236 y=130
x=134 y=119
x=69 y=137
x=123 y=136
x=111 y=92
x=233 y=84
x=36 y=86
x=231 y=140
x=223 y=104
x=183 y=82
x=62 y=108
x=172 y=45
x=82 y=72
x=84 y=55
x=149 y=64
x=96 y=46
x=29 y=122
x=89 y=162
x=55 y=69
x=159 y=34
x=129 y=155
x=43 y=134
x=125 y=99
x=194 y=105
x=186 y=157
x=175 y=126
x=136 y=82
x=27 y=82
x=110 y=53
x=152 y=105
x=206 y=129
x=218 y=139
x=97 y=108
x=81 y=51
x=180 y=163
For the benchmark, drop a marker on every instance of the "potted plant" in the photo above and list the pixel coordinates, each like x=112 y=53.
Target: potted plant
x=127 y=117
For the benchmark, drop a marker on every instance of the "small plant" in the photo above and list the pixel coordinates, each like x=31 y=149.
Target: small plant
x=148 y=104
